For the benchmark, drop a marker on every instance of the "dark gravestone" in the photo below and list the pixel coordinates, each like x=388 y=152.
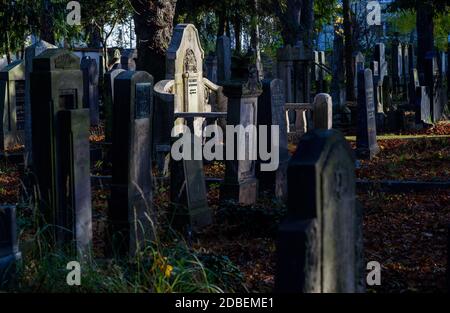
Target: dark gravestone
x=131 y=213
x=405 y=65
x=271 y=112
x=162 y=126
x=61 y=147
x=190 y=211
x=12 y=106
x=423 y=112
x=319 y=247
x=414 y=83
x=397 y=62
x=9 y=249
x=108 y=100
x=241 y=185
x=31 y=52
x=90 y=88
x=359 y=62
x=223 y=52
x=75 y=197
x=432 y=81
x=128 y=59
x=366 y=143
x=211 y=68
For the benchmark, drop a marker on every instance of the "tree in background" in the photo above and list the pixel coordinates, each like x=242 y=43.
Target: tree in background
x=154 y=26
x=348 y=50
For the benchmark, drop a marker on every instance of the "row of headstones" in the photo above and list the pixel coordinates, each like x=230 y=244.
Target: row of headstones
x=15 y=115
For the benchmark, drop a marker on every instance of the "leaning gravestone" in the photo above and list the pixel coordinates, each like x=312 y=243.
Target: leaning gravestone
x=9 y=249
x=61 y=148
x=323 y=111
x=130 y=209
x=108 y=100
x=271 y=112
x=366 y=144
x=90 y=92
x=319 y=247
x=12 y=105
x=31 y=52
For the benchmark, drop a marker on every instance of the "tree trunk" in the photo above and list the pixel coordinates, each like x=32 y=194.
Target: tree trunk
x=348 y=51
x=237 y=33
x=425 y=32
x=290 y=21
x=47 y=32
x=153 y=26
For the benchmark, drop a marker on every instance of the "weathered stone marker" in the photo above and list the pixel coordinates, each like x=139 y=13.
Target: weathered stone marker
x=323 y=111
x=9 y=250
x=31 y=52
x=12 y=106
x=241 y=185
x=130 y=209
x=366 y=143
x=90 y=88
x=423 y=111
x=61 y=148
x=271 y=112
x=432 y=81
x=223 y=52
x=128 y=59
x=319 y=247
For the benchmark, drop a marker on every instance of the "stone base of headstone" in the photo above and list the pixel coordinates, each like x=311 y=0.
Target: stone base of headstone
x=381 y=121
x=244 y=193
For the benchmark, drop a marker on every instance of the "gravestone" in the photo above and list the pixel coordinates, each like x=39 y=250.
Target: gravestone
x=108 y=100
x=211 y=68
x=271 y=112
x=241 y=185
x=90 y=91
x=319 y=246
x=359 y=62
x=338 y=90
x=405 y=63
x=31 y=52
x=397 y=65
x=9 y=249
x=423 y=111
x=366 y=143
x=12 y=106
x=131 y=214
x=184 y=65
x=378 y=94
x=323 y=111
x=433 y=82
x=190 y=211
x=128 y=59
x=414 y=83
x=61 y=148
x=223 y=52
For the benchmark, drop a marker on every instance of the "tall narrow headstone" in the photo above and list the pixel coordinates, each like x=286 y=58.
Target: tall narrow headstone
x=128 y=59
x=323 y=111
x=366 y=144
x=423 y=112
x=130 y=209
x=90 y=92
x=61 y=148
x=12 y=106
x=397 y=62
x=108 y=100
x=9 y=249
x=432 y=81
x=338 y=91
x=271 y=112
x=319 y=247
x=241 y=185
x=211 y=68
x=359 y=60
x=223 y=52
x=31 y=52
